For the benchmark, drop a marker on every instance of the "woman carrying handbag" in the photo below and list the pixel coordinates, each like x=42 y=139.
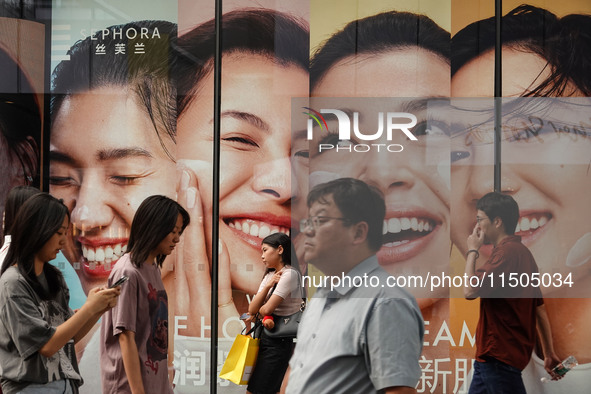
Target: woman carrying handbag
x=280 y=293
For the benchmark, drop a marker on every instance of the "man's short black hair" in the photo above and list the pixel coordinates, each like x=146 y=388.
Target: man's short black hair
x=358 y=202
x=503 y=206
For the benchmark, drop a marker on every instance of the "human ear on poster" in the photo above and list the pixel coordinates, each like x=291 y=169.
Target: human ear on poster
x=580 y=253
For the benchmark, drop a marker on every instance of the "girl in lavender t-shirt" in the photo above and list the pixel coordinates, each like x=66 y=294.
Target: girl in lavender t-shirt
x=134 y=335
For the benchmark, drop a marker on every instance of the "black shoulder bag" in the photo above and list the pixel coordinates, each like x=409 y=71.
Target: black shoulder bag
x=286 y=326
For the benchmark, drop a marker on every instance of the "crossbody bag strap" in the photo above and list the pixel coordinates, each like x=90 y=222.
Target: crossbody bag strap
x=271 y=293
x=304 y=301
x=303 y=291
x=258 y=315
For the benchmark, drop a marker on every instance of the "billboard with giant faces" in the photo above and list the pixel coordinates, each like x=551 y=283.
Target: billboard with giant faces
x=106 y=103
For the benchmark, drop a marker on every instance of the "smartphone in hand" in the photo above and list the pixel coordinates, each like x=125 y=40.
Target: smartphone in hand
x=121 y=280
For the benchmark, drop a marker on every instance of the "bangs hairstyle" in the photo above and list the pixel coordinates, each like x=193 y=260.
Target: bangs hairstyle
x=153 y=221
x=39 y=218
x=282 y=38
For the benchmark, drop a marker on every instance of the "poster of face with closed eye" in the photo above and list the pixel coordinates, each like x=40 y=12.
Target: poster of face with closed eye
x=112 y=129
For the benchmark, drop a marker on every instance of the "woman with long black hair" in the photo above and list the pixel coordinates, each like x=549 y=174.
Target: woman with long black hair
x=37 y=328
x=134 y=335
x=280 y=293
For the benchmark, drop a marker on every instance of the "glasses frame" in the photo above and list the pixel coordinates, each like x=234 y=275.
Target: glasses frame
x=314 y=222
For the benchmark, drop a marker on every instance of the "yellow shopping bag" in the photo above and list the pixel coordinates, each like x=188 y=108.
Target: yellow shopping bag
x=240 y=361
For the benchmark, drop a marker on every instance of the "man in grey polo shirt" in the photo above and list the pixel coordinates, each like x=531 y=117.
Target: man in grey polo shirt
x=358 y=337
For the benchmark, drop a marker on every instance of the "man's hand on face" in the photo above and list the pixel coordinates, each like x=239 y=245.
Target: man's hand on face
x=476 y=239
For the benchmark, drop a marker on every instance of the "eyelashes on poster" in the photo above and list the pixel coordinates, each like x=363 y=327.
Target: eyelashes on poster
x=137 y=120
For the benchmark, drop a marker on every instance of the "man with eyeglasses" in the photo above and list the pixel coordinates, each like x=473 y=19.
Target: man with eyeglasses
x=353 y=338
x=506 y=331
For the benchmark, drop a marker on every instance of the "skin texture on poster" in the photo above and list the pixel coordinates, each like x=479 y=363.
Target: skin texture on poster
x=82 y=37
x=415 y=180
x=263 y=185
x=20 y=108
x=102 y=173
x=261 y=72
x=544 y=155
x=360 y=62
x=255 y=194
x=111 y=145
x=115 y=131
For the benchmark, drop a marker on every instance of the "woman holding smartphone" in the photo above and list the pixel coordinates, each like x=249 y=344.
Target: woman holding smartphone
x=134 y=336
x=37 y=328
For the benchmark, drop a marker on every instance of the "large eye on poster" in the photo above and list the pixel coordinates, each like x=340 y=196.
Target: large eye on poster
x=21 y=104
